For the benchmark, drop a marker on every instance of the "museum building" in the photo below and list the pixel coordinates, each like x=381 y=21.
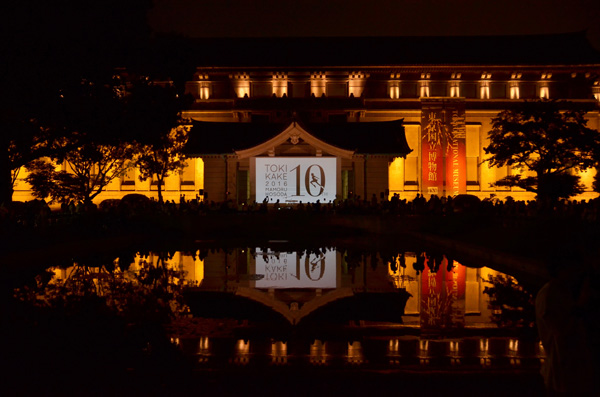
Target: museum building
x=307 y=119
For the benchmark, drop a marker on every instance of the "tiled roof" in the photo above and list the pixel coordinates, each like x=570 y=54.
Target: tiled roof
x=366 y=138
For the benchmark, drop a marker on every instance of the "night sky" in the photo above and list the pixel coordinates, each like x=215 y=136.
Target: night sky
x=275 y=18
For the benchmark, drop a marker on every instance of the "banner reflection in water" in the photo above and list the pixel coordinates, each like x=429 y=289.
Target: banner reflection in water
x=294 y=270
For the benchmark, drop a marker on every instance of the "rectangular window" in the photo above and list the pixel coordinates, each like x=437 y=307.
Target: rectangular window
x=300 y=89
x=501 y=172
x=262 y=89
x=498 y=90
x=337 y=89
x=220 y=90
x=128 y=179
x=188 y=176
x=472 y=154
x=528 y=90
x=243 y=186
x=409 y=90
x=411 y=173
x=468 y=90
x=347 y=184
x=472 y=171
x=438 y=89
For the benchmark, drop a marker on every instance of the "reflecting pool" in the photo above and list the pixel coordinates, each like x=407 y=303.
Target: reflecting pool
x=277 y=306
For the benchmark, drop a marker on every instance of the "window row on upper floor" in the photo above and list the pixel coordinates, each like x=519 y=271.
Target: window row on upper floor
x=393 y=89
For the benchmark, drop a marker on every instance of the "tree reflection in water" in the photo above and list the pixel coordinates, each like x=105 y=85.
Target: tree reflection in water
x=102 y=318
x=512 y=306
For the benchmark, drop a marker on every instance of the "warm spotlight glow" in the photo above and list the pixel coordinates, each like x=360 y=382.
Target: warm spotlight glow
x=243 y=347
x=484 y=90
x=279 y=352
x=355 y=354
x=453 y=346
x=203 y=343
x=396 y=176
x=242 y=351
x=241 y=85
x=317 y=352
x=455 y=89
x=356 y=84
x=514 y=90
x=280 y=84
x=394 y=90
x=318 y=84
x=198 y=270
x=483 y=345
x=199 y=177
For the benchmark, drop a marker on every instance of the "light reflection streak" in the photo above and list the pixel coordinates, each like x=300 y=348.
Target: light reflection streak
x=317 y=352
x=355 y=354
x=279 y=352
x=242 y=353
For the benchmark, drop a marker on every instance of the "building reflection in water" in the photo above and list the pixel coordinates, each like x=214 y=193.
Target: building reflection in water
x=279 y=352
x=355 y=352
x=242 y=352
x=203 y=349
x=296 y=284
x=444 y=295
x=318 y=355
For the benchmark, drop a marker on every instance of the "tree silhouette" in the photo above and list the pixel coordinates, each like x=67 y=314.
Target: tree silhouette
x=86 y=139
x=160 y=132
x=541 y=137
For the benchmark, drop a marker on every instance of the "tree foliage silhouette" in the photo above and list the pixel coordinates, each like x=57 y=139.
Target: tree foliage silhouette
x=86 y=139
x=161 y=132
x=551 y=139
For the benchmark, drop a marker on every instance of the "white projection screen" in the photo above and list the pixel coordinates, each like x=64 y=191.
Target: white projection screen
x=282 y=270
x=296 y=179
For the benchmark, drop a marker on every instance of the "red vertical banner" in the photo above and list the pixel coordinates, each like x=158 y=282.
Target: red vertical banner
x=455 y=292
x=433 y=130
x=432 y=300
x=455 y=150
x=443 y=297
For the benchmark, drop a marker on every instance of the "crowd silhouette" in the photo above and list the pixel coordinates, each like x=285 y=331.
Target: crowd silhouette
x=38 y=214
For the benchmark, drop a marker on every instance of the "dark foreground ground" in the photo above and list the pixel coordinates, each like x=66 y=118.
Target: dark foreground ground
x=288 y=382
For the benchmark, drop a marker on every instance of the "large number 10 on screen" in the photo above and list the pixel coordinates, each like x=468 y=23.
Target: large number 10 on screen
x=311 y=181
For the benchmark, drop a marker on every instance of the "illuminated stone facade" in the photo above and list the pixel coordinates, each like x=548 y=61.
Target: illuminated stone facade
x=372 y=93
x=340 y=82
